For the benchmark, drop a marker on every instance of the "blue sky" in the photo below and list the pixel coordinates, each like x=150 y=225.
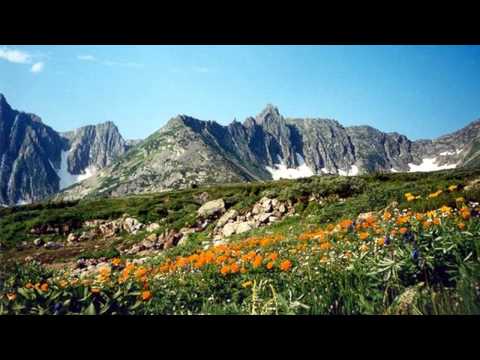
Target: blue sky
x=419 y=91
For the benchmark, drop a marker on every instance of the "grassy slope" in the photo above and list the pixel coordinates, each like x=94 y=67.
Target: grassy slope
x=364 y=193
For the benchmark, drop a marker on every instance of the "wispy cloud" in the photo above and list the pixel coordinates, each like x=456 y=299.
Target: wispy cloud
x=21 y=57
x=14 y=55
x=93 y=58
x=37 y=67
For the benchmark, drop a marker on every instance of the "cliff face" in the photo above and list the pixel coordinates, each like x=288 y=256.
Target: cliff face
x=36 y=161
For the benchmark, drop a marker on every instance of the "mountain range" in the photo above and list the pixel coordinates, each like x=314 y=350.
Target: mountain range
x=37 y=162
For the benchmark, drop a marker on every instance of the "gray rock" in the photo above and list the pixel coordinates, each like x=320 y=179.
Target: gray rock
x=229 y=229
x=243 y=227
x=152 y=227
x=72 y=238
x=229 y=215
x=51 y=245
x=211 y=208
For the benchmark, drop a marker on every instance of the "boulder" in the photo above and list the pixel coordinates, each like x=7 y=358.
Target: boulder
x=38 y=242
x=282 y=209
x=229 y=215
x=243 y=227
x=272 y=219
x=152 y=227
x=131 y=225
x=203 y=197
x=72 y=238
x=51 y=245
x=211 y=208
x=147 y=244
x=263 y=218
x=229 y=229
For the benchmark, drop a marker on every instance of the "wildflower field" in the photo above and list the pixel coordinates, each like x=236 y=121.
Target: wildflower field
x=414 y=249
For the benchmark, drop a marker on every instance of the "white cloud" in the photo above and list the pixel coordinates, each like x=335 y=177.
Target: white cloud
x=37 y=67
x=14 y=55
x=86 y=57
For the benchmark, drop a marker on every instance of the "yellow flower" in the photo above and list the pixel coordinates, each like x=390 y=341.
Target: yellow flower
x=460 y=199
x=364 y=247
x=387 y=215
x=116 y=261
x=446 y=210
x=452 y=188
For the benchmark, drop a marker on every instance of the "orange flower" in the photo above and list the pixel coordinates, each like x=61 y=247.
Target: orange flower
x=437 y=221
x=380 y=241
x=44 y=287
x=363 y=235
x=403 y=230
x=141 y=272
x=419 y=216
x=387 y=215
x=225 y=269
x=465 y=213
x=273 y=256
x=270 y=265
x=427 y=224
x=146 y=295
x=95 y=290
x=11 y=296
x=285 y=265
x=29 y=285
x=63 y=283
x=234 y=268
x=257 y=261
x=243 y=270
x=402 y=219
x=345 y=224
x=461 y=226
x=326 y=246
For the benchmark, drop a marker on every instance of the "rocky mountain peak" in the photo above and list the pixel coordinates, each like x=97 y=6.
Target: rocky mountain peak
x=4 y=104
x=270 y=113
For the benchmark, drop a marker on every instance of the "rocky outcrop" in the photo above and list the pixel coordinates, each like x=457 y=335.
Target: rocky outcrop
x=265 y=211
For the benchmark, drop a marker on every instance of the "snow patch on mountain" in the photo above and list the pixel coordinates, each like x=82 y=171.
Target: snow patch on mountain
x=429 y=164
x=66 y=178
x=281 y=171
